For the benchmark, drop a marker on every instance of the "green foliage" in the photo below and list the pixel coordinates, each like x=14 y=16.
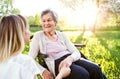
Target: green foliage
x=26 y=49
x=31 y=20
x=15 y=11
x=37 y=20
x=6 y=7
x=34 y=20
x=39 y=77
x=34 y=29
x=102 y=47
x=62 y=22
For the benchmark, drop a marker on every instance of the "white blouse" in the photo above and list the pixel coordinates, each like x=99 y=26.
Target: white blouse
x=19 y=67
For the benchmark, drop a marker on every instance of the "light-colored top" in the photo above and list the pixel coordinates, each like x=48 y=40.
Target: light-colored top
x=19 y=67
x=39 y=44
x=55 y=49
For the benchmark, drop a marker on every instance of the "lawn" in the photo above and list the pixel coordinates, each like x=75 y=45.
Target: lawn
x=102 y=47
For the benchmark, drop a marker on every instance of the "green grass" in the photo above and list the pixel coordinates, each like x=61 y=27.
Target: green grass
x=35 y=28
x=102 y=47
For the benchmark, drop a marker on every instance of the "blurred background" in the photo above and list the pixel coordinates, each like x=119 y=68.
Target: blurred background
x=95 y=23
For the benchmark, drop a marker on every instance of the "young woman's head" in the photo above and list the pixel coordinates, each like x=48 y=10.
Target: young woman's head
x=27 y=31
x=12 y=36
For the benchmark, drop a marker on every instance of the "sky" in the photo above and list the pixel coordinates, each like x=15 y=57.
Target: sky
x=31 y=7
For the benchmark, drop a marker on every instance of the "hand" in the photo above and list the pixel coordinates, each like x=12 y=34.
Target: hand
x=47 y=75
x=64 y=72
x=66 y=62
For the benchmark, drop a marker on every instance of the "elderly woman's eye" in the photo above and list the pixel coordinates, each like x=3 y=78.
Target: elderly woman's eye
x=43 y=21
x=49 y=20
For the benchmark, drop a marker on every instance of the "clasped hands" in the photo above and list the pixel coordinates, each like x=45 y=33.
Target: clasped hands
x=64 y=69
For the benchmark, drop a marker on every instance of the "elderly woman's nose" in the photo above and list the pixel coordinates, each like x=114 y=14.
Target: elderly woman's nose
x=46 y=22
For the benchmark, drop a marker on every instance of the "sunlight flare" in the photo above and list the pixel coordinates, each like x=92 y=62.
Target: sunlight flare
x=87 y=14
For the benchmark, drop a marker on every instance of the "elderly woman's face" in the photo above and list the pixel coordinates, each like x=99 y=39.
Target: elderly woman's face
x=48 y=23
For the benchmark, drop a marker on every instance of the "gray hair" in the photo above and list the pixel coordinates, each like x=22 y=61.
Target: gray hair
x=54 y=14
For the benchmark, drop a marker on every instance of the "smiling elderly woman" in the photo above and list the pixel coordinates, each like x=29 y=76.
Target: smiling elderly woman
x=64 y=60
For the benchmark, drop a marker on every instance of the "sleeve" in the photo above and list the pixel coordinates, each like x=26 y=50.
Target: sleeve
x=34 y=48
x=30 y=69
x=75 y=52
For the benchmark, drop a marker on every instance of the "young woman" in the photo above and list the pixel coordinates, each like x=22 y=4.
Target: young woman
x=64 y=60
x=14 y=34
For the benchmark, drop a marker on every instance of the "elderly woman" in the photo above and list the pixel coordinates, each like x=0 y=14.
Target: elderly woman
x=61 y=53
x=14 y=34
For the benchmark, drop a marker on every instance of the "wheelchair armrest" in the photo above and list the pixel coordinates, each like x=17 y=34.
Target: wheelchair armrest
x=31 y=36
x=79 y=45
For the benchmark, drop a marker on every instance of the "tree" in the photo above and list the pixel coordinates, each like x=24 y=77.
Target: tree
x=31 y=20
x=15 y=11
x=103 y=12
x=71 y=3
x=37 y=19
x=114 y=6
x=81 y=6
x=62 y=24
x=6 y=7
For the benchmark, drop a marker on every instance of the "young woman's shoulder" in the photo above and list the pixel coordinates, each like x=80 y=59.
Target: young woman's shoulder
x=23 y=59
x=23 y=67
x=27 y=63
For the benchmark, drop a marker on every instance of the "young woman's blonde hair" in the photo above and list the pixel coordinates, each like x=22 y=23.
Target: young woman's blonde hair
x=12 y=30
